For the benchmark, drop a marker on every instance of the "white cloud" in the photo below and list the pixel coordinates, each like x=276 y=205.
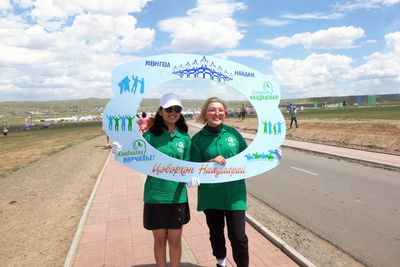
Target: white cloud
x=5 y=5
x=318 y=16
x=207 y=27
x=329 y=75
x=11 y=55
x=382 y=68
x=110 y=34
x=215 y=9
x=257 y=53
x=272 y=22
x=72 y=61
x=24 y=3
x=316 y=75
x=332 y=38
x=365 y=4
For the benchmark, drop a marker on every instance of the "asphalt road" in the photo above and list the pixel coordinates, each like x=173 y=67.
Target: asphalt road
x=353 y=206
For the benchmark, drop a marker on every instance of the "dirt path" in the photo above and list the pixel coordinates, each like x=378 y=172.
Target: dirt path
x=371 y=135
x=41 y=204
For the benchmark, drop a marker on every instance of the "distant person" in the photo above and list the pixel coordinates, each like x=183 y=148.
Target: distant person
x=5 y=131
x=242 y=113
x=150 y=122
x=108 y=144
x=290 y=108
x=293 y=117
x=144 y=123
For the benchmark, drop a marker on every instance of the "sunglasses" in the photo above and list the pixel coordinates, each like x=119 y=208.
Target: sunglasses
x=215 y=111
x=177 y=109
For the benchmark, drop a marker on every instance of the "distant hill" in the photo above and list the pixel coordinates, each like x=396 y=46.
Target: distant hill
x=96 y=105
x=63 y=106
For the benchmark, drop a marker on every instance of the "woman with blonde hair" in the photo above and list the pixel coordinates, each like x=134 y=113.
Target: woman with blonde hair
x=216 y=142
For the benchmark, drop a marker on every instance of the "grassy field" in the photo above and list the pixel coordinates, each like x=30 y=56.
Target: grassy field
x=23 y=147
x=353 y=113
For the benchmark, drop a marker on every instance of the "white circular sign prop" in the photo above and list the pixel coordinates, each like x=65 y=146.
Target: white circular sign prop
x=132 y=80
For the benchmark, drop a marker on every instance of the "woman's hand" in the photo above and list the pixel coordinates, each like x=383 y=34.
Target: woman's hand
x=219 y=159
x=279 y=154
x=194 y=182
x=116 y=148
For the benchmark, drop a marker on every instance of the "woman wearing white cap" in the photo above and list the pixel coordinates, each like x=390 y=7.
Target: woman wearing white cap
x=166 y=207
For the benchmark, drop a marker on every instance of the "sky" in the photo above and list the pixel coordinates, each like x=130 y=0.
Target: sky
x=62 y=50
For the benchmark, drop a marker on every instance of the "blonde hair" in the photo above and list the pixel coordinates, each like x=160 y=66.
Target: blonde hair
x=202 y=117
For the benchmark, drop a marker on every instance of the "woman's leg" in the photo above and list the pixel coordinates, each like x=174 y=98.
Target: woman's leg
x=175 y=246
x=216 y=223
x=160 y=247
x=236 y=223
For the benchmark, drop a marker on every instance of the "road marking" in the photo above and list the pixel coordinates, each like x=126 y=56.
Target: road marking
x=313 y=173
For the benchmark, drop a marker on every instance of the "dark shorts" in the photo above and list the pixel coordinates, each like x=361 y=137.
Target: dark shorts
x=165 y=216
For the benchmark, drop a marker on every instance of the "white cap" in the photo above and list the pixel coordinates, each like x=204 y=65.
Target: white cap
x=169 y=100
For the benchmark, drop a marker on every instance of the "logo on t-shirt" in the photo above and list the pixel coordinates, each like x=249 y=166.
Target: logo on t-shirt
x=180 y=146
x=230 y=141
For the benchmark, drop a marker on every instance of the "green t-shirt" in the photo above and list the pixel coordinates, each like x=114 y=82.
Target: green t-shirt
x=205 y=146
x=176 y=145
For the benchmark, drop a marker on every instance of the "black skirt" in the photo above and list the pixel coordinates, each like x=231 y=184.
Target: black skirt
x=165 y=216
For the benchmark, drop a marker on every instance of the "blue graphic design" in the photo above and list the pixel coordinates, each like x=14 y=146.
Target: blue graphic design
x=124 y=85
x=193 y=70
x=274 y=129
x=114 y=120
x=123 y=120
x=261 y=156
x=110 y=122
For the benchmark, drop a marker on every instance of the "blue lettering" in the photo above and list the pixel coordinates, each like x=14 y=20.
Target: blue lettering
x=244 y=73
x=153 y=63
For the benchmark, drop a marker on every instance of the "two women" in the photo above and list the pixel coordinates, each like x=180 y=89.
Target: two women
x=166 y=204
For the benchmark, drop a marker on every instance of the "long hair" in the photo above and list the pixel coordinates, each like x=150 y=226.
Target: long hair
x=202 y=117
x=158 y=126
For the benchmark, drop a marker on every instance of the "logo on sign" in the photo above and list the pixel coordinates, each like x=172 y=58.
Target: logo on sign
x=138 y=153
x=265 y=94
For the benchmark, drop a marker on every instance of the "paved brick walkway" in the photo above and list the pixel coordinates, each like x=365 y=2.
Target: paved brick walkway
x=114 y=235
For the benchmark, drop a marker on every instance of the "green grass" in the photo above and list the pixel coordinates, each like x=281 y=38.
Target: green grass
x=21 y=148
x=353 y=113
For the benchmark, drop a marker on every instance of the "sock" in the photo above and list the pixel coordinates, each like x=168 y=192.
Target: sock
x=221 y=262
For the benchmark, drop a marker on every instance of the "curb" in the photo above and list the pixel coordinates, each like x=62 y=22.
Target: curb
x=69 y=260
x=371 y=163
x=279 y=243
